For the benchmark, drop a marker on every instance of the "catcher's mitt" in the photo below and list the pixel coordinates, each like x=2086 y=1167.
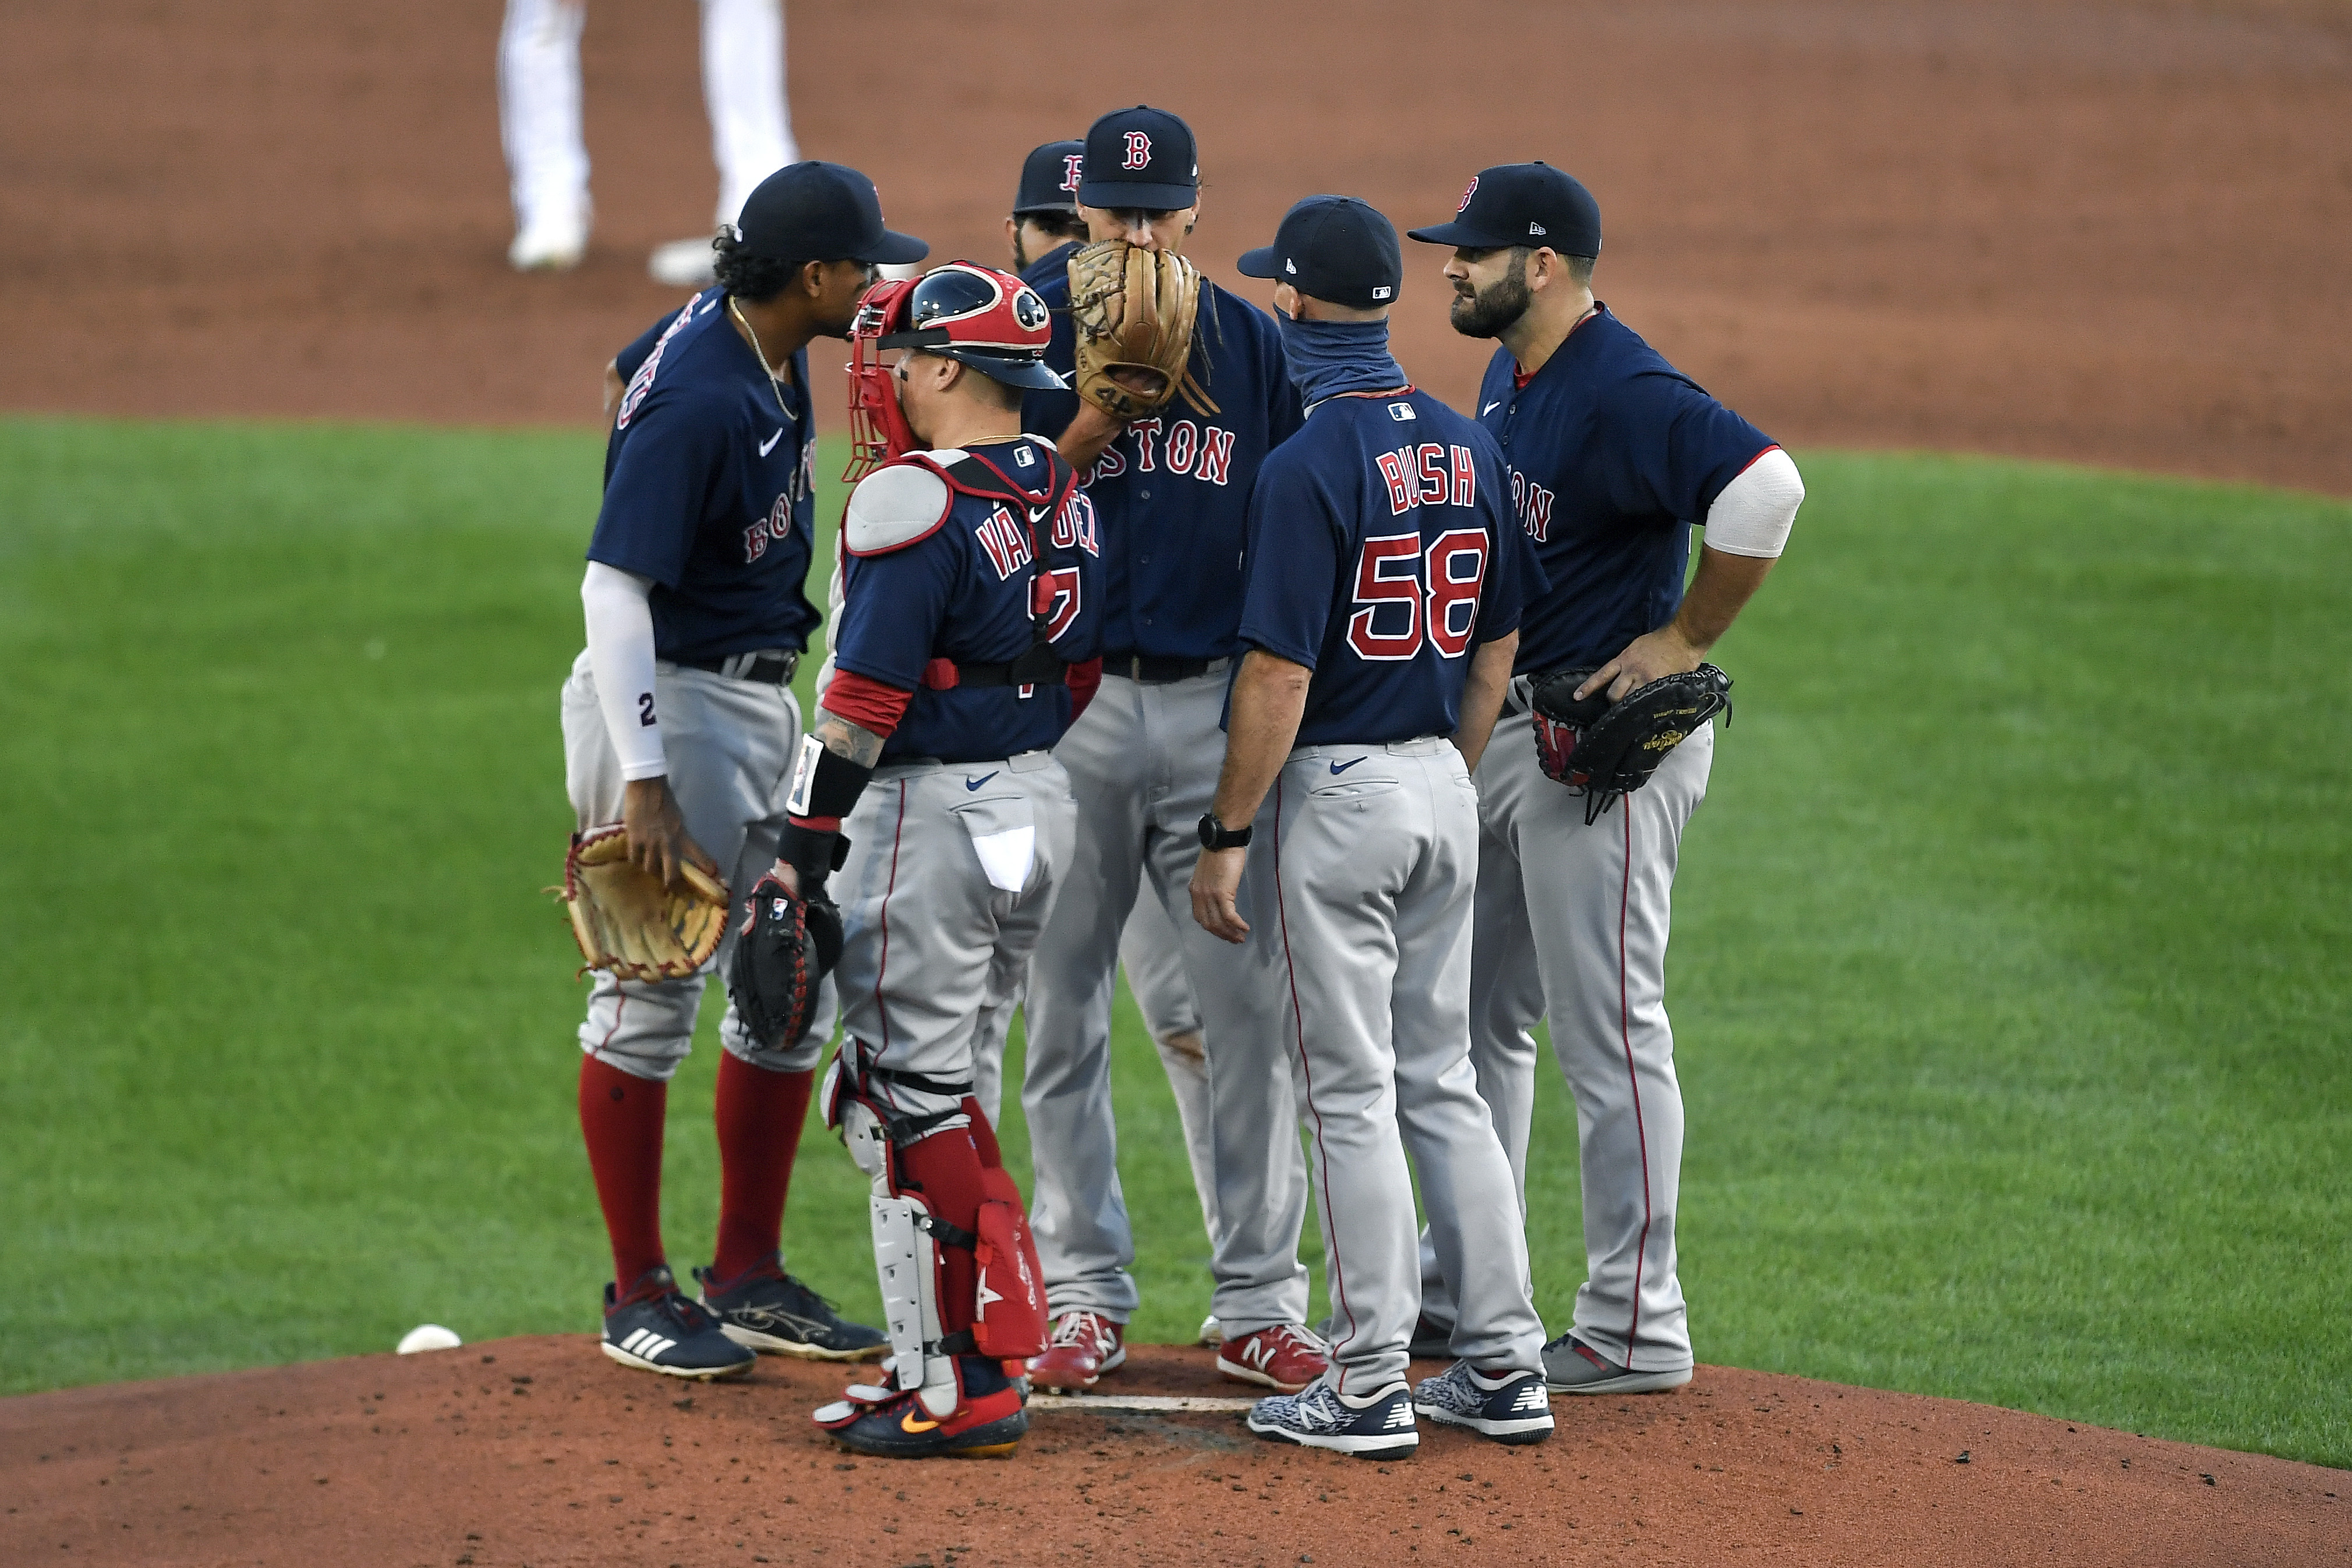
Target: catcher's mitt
x=627 y=922
x=1606 y=750
x=784 y=949
x=1133 y=311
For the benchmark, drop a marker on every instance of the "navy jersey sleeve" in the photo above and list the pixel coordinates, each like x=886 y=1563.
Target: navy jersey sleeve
x=1685 y=446
x=629 y=359
x=677 y=458
x=1291 y=563
x=893 y=607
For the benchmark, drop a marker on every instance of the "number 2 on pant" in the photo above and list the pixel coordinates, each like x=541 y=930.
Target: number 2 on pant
x=1436 y=589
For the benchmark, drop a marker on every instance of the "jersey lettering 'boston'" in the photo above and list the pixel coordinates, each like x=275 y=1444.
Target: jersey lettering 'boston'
x=1203 y=451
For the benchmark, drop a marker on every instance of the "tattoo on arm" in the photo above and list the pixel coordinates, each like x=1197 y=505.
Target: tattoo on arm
x=842 y=738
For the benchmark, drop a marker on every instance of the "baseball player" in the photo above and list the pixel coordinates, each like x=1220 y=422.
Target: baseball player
x=1384 y=579
x=1044 y=226
x=547 y=160
x=679 y=720
x=1614 y=454
x=964 y=645
x=1172 y=493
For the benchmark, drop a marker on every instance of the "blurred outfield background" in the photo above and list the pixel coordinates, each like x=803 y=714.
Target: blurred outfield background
x=2009 y=973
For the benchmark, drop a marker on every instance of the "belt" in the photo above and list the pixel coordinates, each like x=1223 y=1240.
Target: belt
x=1148 y=669
x=769 y=666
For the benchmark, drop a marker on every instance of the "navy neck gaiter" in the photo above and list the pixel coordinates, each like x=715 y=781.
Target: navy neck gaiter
x=1327 y=358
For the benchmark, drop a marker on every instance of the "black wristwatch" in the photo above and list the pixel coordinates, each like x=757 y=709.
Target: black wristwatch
x=1215 y=835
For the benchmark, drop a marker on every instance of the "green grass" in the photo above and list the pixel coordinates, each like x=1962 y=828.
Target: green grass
x=2014 y=1056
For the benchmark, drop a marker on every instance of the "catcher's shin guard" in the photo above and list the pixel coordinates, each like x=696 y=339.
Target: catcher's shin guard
x=906 y=1258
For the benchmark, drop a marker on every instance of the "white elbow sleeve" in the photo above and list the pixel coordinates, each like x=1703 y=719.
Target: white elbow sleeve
x=621 y=656
x=1754 y=513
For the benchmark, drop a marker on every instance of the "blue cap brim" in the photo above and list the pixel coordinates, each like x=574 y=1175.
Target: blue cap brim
x=1033 y=373
x=1114 y=193
x=894 y=249
x=1258 y=263
x=1460 y=235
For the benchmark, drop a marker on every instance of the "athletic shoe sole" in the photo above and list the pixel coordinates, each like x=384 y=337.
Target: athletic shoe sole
x=1625 y=1382
x=1372 y=1446
x=693 y=1373
x=753 y=1339
x=1513 y=1431
x=1240 y=1374
x=992 y=1440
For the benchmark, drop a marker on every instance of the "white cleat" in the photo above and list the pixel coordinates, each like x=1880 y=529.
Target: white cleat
x=551 y=244
x=682 y=264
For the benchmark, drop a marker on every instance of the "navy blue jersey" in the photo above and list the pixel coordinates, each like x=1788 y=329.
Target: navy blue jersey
x=1614 y=453
x=1054 y=263
x=1173 y=490
x=1382 y=551
x=709 y=489
x=963 y=592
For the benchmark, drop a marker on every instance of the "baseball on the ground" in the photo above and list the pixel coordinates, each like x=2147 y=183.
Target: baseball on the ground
x=427 y=1336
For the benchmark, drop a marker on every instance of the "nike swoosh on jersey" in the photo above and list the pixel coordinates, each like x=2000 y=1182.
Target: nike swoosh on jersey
x=1490 y=408
x=770 y=445
x=1343 y=766
x=976 y=783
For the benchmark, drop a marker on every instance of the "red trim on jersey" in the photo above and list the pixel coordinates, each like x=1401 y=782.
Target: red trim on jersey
x=882 y=963
x=872 y=705
x=1755 y=460
x=1084 y=679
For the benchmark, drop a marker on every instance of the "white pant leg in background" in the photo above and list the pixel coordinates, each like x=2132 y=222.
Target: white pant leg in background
x=1591 y=906
x=539 y=111
x=743 y=89
x=729 y=745
x=1357 y=892
x=1151 y=952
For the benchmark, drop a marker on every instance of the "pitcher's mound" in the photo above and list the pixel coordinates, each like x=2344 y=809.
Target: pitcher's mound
x=540 y=1451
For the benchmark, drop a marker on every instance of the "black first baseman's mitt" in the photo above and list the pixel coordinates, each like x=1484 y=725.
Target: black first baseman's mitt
x=783 y=950
x=1606 y=750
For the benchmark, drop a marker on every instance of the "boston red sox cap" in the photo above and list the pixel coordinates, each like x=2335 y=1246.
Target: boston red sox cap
x=1140 y=157
x=821 y=211
x=1332 y=247
x=1049 y=179
x=1522 y=203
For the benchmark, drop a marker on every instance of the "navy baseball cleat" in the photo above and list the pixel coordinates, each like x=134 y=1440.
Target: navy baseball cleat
x=1378 y=1426
x=988 y=1422
x=766 y=1309
x=656 y=1329
x=1572 y=1366
x=1513 y=1408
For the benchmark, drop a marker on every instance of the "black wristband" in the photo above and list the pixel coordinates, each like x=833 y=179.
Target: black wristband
x=814 y=853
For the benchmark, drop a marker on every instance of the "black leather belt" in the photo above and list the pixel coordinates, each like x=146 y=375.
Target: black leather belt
x=1152 y=671
x=769 y=666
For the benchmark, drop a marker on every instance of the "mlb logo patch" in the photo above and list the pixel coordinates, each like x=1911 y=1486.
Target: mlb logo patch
x=1022 y=455
x=1400 y=412
x=1382 y=292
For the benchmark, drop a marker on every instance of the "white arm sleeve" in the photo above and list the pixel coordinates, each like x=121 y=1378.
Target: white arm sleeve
x=1755 y=511
x=621 y=656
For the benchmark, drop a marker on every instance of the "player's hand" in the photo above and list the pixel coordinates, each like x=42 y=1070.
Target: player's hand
x=789 y=874
x=1216 y=883
x=1652 y=656
x=658 y=841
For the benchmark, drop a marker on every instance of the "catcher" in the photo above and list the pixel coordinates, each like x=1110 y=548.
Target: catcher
x=1182 y=391
x=965 y=642
x=678 y=723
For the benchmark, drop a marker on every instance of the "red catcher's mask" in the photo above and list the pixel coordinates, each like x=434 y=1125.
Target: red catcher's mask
x=878 y=426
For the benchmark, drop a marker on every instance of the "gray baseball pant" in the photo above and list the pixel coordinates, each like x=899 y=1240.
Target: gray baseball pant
x=1571 y=925
x=729 y=745
x=1143 y=766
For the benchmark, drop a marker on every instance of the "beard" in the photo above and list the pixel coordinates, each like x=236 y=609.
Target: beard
x=1490 y=312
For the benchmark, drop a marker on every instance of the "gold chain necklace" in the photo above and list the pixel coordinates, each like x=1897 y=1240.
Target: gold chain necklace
x=737 y=312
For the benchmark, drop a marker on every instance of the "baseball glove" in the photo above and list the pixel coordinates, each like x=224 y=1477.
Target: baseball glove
x=1133 y=312
x=783 y=950
x=1605 y=749
x=627 y=922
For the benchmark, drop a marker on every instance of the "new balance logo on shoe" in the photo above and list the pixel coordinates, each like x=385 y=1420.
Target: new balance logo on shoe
x=1258 y=1352
x=1400 y=1416
x=1532 y=1397
x=646 y=1345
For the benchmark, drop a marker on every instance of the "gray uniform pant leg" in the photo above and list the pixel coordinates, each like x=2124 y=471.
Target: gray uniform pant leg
x=729 y=745
x=1358 y=892
x=1151 y=951
x=1596 y=906
x=927 y=936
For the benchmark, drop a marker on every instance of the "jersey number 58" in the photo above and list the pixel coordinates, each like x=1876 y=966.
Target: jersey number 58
x=1417 y=594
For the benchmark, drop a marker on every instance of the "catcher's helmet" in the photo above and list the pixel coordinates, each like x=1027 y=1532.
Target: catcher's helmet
x=975 y=315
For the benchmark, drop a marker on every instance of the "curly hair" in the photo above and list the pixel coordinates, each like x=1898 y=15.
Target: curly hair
x=757 y=278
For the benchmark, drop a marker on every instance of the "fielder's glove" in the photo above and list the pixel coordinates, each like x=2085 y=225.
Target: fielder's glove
x=1603 y=749
x=783 y=950
x=1133 y=311
x=627 y=922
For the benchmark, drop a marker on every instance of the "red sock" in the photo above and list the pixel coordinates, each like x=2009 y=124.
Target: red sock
x=621 y=1118
x=759 y=1115
x=945 y=1167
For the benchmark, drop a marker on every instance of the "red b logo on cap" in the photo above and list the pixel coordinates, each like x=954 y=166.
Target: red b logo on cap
x=1470 y=192
x=1071 y=163
x=1138 y=151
